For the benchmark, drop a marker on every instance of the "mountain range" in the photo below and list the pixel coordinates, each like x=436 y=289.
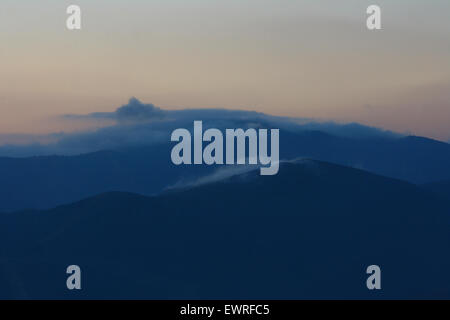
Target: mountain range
x=43 y=182
x=111 y=201
x=308 y=232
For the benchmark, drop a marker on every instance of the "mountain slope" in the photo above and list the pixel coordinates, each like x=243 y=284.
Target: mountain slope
x=441 y=188
x=45 y=182
x=49 y=181
x=308 y=232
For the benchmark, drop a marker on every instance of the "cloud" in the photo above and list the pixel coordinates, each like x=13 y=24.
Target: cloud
x=137 y=111
x=133 y=111
x=218 y=175
x=26 y=139
x=242 y=171
x=349 y=130
x=137 y=123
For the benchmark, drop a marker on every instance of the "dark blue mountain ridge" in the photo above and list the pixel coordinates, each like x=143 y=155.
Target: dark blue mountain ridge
x=308 y=232
x=439 y=187
x=47 y=181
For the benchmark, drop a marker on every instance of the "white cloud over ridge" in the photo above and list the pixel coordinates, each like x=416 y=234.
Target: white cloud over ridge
x=137 y=123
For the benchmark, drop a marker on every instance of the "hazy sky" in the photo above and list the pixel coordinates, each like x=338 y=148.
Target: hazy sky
x=298 y=58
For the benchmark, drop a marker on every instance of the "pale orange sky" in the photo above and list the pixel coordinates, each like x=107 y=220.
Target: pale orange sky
x=297 y=58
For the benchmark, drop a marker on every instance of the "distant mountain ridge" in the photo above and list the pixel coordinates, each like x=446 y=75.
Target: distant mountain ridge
x=48 y=181
x=440 y=187
x=308 y=232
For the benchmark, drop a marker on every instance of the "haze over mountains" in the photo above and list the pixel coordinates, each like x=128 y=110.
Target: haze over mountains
x=308 y=232
x=134 y=154
x=345 y=197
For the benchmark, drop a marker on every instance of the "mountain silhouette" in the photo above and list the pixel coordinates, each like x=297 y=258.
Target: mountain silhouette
x=309 y=232
x=441 y=188
x=48 y=181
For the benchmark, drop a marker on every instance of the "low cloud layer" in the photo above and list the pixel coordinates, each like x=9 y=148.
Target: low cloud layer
x=137 y=123
x=132 y=112
x=224 y=173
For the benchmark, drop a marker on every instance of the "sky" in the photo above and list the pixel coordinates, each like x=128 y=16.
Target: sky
x=298 y=58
